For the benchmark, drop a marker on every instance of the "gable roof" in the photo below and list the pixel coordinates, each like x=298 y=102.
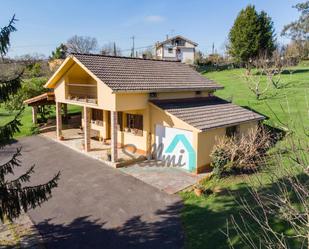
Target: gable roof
x=126 y=74
x=207 y=112
x=177 y=37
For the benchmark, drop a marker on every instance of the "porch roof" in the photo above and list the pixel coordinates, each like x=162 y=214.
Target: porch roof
x=43 y=99
x=207 y=113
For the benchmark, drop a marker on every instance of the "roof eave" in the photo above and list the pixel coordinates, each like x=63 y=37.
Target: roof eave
x=53 y=79
x=158 y=90
x=232 y=124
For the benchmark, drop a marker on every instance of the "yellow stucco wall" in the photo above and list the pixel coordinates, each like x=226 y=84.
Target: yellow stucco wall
x=131 y=101
x=60 y=91
x=207 y=140
x=139 y=141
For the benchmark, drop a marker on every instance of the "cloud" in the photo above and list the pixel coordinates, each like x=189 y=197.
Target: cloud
x=154 y=18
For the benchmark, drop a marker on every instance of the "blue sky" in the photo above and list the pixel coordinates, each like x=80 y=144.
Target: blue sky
x=45 y=24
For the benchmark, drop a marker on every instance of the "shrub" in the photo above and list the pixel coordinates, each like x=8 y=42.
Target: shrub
x=220 y=158
x=243 y=154
x=34 y=130
x=30 y=88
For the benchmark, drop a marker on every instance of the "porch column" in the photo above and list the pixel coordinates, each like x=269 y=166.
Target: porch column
x=106 y=125
x=65 y=112
x=34 y=114
x=58 y=120
x=87 y=128
x=114 y=131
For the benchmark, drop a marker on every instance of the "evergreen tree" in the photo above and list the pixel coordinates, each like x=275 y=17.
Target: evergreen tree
x=251 y=34
x=60 y=52
x=14 y=196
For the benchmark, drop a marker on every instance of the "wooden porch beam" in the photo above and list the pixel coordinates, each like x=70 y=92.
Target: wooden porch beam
x=58 y=121
x=114 y=131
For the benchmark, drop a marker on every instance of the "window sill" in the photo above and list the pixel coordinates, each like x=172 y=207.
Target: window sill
x=139 y=133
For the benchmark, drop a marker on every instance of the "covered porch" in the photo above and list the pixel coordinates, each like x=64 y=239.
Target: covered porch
x=98 y=135
x=74 y=138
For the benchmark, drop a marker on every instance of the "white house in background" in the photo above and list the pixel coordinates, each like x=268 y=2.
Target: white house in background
x=176 y=48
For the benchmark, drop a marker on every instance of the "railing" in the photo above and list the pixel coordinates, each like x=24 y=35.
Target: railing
x=82 y=92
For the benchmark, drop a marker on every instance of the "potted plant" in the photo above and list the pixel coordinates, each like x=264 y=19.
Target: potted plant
x=198 y=189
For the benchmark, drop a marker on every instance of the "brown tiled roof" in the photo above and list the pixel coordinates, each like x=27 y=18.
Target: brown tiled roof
x=177 y=37
x=142 y=75
x=207 y=113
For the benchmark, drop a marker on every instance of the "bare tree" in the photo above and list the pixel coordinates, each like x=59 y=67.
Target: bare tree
x=276 y=215
x=266 y=72
x=82 y=44
x=148 y=53
x=273 y=68
x=255 y=80
x=287 y=203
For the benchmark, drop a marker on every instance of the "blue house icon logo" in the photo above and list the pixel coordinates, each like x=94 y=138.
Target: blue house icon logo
x=191 y=152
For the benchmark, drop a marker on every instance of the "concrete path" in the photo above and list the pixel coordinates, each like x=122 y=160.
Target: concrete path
x=96 y=206
x=168 y=179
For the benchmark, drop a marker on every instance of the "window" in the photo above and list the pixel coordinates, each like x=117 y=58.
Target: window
x=97 y=114
x=198 y=93
x=231 y=131
x=179 y=42
x=135 y=124
x=170 y=50
x=153 y=95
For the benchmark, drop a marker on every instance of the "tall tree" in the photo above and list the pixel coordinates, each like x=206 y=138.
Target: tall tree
x=82 y=44
x=251 y=35
x=14 y=196
x=299 y=29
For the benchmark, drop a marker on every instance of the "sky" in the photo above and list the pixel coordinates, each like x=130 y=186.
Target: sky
x=43 y=25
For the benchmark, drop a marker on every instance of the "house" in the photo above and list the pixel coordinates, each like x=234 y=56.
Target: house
x=145 y=102
x=176 y=48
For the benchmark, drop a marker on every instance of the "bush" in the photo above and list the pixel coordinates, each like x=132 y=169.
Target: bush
x=235 y=155
x=30 y=88
x=220 y=159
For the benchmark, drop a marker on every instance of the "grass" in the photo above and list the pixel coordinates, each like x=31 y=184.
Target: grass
x=26 y=120
x=205 y=217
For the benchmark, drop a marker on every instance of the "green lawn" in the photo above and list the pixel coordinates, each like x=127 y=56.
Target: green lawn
x=26 y=120
x=205 y=218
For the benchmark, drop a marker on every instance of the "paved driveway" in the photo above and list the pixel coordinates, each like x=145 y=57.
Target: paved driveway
x=96 y=206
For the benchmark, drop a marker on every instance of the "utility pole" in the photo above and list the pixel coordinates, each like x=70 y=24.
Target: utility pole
x=213 y=48
x=132 y=53
x=115 y=50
